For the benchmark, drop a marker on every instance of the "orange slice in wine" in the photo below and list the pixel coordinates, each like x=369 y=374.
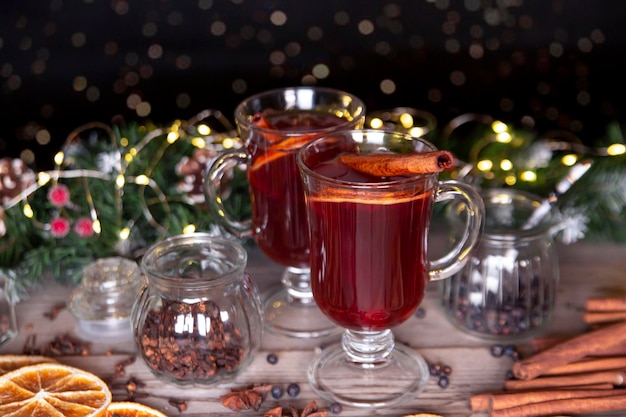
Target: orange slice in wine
x=282 y=149
x=52 y=389
x=368 y=197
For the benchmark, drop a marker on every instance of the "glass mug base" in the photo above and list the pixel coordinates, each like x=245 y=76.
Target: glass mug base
x=290 y=317
x=401 y=377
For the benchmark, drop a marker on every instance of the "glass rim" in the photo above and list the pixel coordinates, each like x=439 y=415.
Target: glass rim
x=248 y=124
x=538 y=231
x=149 y=265
x=357 y=184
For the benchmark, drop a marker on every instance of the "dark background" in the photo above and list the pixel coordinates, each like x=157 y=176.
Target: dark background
x=63 y=63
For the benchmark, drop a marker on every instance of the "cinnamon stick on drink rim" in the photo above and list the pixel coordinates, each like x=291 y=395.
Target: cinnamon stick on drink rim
x=391 y=164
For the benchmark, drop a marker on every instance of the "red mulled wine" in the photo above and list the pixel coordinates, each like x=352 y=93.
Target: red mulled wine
x=368 y=245
x=278 y=209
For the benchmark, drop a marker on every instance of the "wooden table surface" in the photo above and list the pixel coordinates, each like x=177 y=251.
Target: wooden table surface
x=587 y=269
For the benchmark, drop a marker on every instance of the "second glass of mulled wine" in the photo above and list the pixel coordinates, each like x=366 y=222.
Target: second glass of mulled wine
x=274 y=125
x=369 y=263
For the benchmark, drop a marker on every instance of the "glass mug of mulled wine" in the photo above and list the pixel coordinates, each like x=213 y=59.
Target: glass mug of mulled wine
x=369 y=264
x=273 y=126
x=198 y=318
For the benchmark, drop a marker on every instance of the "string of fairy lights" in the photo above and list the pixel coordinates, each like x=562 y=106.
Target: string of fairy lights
x=417 y=123
x=120 y=155
x=131 y=165
x=420 y=123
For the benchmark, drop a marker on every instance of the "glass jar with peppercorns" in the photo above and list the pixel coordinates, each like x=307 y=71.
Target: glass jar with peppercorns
x=507 y=290
x=198 y=318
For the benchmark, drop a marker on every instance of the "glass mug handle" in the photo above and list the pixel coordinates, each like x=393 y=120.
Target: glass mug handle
x=213 y=178
x=457 y=257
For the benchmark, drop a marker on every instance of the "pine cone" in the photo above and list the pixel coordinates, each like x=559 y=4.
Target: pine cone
x=15 y=176
x=192 y=170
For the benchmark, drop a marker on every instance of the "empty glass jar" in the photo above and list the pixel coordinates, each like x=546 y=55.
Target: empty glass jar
x=507 y=290
x=198 y=319
x=104 y=299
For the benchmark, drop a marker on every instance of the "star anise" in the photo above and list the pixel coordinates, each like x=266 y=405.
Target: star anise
x=245 y=399
x=310 y=410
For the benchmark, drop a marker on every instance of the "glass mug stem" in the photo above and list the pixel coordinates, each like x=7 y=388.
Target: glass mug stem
x=368 y=349
x=297 y=282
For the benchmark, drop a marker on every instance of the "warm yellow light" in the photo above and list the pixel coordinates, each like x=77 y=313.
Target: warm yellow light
x=96 y=226
x=506 y=165
x=616 y=149
x=376 y=123
x=198 y=143
x=59 y=157
x=120 y=181
x=190 y=228
x=124 y=142
x=204 y=130
x=484 y=165
x=499 y=127
x=43 y=178
x=142 y=180
x=28 y=211
x=528 y=176
x=125 y=233
x=504 y=137
x=406 y=120
x=228 y=143
x=510 y=180
x=172 y=137
x=133 y=151
x=569 y=160
x=417 y=132
x=342 y=114
x=128 y=157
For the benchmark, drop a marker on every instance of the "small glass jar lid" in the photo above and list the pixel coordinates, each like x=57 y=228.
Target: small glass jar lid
x=103 y=301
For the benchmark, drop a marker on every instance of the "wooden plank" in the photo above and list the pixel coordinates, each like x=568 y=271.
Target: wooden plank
x=586 y=270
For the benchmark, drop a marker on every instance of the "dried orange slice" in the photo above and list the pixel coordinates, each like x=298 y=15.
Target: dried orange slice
x=54 y=390
x=423 y=415
x=10 y=363
x=130 y=409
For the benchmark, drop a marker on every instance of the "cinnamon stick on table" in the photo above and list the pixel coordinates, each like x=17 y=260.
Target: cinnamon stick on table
x=568 y=406
x=606 y=304
x=391 y=164
x=590 y=365
x=615 y=377
x=483 y=402
x=571 y=350
x=599 y=317
x=542 y=343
